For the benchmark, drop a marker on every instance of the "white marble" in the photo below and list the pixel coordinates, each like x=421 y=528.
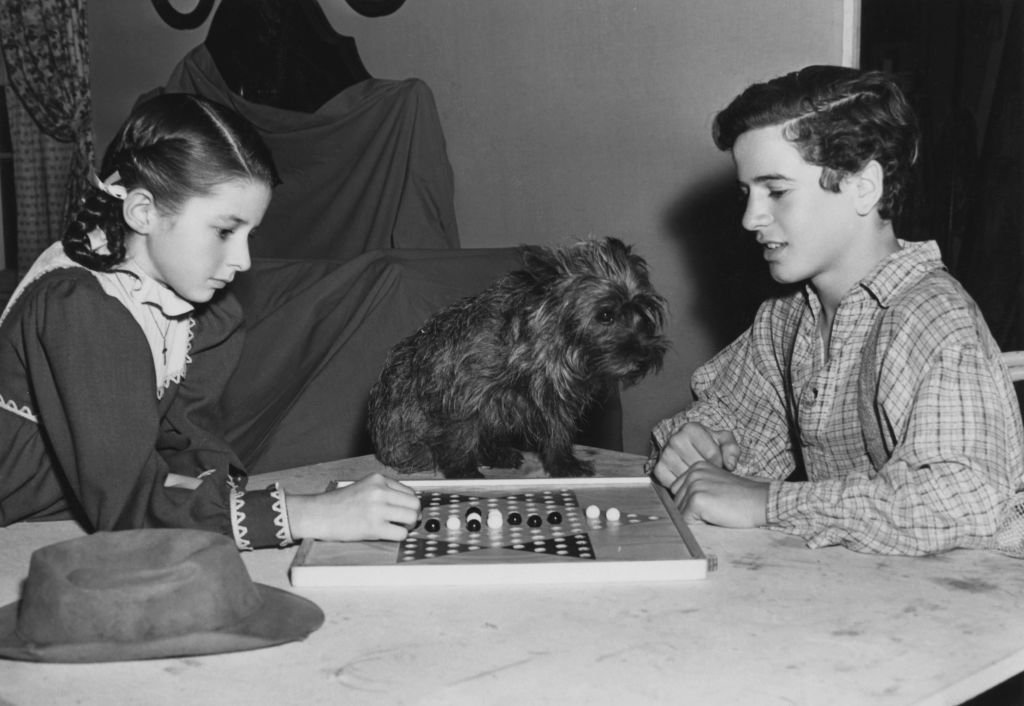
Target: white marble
x=777 y=623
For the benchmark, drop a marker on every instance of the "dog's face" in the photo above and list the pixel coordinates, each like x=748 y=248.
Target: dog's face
x=597 y=295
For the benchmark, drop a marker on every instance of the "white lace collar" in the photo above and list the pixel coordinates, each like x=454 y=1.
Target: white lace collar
x=163 y=316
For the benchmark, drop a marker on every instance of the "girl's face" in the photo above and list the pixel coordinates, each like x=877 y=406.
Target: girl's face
x=807 y=232
x=201 y=248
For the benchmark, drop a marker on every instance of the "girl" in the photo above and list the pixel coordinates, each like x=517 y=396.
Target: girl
x=118 y=341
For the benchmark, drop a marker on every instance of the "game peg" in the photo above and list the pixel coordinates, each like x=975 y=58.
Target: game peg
x=555 y=518
x=514 y=518
x=494 y=518
x=612 y=514
x=432 y=525
x=453 y=523
x=592 y=512
x=534 y=521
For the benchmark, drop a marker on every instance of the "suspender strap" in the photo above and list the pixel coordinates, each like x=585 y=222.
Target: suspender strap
x=879 y=437
x=867 y=407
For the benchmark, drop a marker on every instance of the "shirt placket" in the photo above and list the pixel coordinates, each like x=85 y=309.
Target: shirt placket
x=829 y=405
x=810 y=391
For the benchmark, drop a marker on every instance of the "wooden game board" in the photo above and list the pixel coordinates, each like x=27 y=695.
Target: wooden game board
x=649 y=542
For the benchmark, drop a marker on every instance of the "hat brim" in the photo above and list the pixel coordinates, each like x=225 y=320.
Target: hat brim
x=283 y=617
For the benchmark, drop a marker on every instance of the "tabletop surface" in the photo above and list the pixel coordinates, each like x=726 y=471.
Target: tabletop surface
x=776 y=623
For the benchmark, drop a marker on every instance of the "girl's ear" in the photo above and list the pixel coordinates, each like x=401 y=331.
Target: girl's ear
x=139 y=211
x=868 y=184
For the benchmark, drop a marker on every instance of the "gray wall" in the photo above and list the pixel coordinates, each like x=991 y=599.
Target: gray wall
x=563 y=119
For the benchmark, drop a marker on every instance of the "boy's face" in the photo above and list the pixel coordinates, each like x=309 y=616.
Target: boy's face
x=807 y=232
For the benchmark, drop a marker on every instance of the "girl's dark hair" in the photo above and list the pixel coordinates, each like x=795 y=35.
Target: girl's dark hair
x=178 y=146
x=837 y=118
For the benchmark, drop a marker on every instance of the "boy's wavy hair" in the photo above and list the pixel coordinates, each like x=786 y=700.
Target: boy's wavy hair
x=837 y=118
x=178 y=146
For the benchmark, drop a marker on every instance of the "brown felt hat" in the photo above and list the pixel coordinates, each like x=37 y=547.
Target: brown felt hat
x=146 y=594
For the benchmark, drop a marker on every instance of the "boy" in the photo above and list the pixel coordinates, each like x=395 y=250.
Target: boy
x=878 y=378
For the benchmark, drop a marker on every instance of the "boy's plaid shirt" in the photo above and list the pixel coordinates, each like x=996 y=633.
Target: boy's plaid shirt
x=944 y=395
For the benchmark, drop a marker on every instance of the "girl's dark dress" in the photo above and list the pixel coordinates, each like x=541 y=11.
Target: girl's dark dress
x=85 y=435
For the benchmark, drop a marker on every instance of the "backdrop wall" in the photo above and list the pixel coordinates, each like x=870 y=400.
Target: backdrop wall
x=566 y=119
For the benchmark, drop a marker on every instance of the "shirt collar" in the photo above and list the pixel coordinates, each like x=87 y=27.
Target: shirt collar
x=891 y=274
x=901 y=268
x=144 y=288
x=147 y=290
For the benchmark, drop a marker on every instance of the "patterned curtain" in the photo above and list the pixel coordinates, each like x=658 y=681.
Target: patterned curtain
x=46 y=50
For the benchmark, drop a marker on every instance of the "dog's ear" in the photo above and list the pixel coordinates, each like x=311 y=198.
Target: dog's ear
x=617 y=251
x=615 y=245
x=540 y=263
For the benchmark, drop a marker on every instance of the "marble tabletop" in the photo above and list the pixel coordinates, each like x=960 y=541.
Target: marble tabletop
x=776 y=623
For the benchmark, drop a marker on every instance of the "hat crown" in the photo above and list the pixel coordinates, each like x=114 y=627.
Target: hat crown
x=134 y=585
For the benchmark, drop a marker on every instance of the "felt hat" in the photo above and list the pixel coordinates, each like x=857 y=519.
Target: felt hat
x=146 y=594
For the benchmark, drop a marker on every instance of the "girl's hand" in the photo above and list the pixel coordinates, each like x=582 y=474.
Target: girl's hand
x=376 y=507
x=694 y=443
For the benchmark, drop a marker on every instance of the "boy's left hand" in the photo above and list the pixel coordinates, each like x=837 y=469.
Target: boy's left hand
x=714 y=495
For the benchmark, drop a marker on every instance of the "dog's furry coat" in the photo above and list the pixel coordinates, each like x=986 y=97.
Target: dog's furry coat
x=514 y=367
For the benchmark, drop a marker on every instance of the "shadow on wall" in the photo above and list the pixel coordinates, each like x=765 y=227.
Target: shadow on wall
x=731 y=276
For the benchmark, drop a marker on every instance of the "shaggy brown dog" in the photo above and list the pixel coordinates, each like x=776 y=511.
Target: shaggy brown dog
x=514 y=367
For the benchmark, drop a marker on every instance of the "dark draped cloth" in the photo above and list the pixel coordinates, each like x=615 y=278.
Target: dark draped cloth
x=367 y=170
x=991 y=263
x=317 y=336
x=284 y=53
x=358 y=248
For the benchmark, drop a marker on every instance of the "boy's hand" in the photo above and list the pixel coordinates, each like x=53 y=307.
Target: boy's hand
x=714 y=495
x=376 y=507
x=693 y=443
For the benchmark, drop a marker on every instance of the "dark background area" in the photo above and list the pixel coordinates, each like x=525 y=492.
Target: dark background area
x=960 y=63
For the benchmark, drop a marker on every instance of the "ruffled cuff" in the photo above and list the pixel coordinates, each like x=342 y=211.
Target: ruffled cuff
x=259 y=518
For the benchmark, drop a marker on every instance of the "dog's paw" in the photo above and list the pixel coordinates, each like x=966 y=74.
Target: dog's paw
x=570 y=468
x=462 y=473
x=505 y=458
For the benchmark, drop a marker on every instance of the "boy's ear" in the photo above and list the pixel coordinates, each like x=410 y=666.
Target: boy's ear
x=139 y=210
x=868 y=185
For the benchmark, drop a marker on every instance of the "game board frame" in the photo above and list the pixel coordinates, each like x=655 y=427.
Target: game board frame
x=662 y=551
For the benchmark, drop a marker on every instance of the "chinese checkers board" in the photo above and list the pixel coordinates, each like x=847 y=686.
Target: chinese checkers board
x=498 y=531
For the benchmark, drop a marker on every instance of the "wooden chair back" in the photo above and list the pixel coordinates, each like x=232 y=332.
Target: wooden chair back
x=1015 y=362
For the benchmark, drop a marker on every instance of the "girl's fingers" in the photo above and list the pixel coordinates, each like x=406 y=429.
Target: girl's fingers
x=399 y=486
x=407 y=517
x=392 y=532
x=405 y=500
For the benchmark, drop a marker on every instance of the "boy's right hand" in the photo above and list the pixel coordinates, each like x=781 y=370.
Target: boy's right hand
x=376 y=507
x=692 y=443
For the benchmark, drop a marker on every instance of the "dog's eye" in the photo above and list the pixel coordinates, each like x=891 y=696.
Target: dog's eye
x=605 y=317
